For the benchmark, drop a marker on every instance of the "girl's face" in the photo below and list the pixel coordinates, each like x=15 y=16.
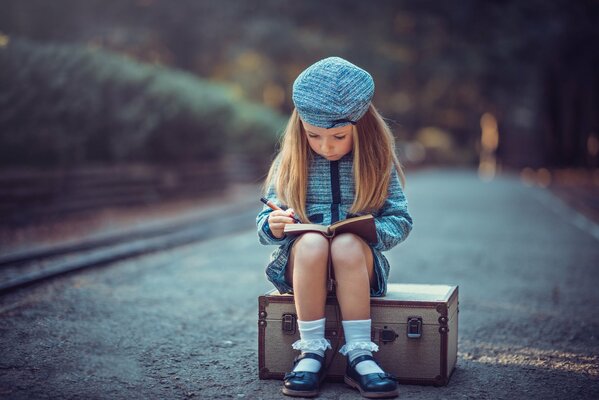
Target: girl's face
x=332 y=143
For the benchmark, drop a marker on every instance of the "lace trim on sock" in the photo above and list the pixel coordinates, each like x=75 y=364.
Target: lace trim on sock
x=346 y=348
x=312 y=345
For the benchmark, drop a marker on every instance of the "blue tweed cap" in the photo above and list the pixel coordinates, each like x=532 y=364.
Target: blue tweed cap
x=332 y=92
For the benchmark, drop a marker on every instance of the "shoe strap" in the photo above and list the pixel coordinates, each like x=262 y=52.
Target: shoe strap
x=387 y=375
x=359 y=359
x=314 y=356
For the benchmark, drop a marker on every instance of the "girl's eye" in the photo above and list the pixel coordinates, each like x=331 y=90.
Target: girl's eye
x=313 y=136
x=340 y=137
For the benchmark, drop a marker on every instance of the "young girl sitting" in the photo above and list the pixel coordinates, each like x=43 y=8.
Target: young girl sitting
x=337 y=160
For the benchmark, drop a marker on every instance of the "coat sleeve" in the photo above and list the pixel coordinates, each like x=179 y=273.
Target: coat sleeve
x=264 y=233
x=393 y=221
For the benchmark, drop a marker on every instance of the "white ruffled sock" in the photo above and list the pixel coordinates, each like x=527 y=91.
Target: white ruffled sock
x=311 y=341
x=358 y=343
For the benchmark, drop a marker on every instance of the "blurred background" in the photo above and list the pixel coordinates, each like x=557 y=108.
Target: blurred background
x=114 y=105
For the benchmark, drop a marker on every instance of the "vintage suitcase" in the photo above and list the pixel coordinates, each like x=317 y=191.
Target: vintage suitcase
x=415 y=327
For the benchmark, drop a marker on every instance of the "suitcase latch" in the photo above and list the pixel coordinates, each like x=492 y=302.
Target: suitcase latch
x=414 y=327
x=387 y=335
x=289 y=325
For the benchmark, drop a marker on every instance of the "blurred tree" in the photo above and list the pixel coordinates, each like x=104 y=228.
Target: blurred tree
x=65 y=105
x=436 y=64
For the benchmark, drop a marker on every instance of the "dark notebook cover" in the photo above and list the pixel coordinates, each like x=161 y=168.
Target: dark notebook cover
x=362 y=226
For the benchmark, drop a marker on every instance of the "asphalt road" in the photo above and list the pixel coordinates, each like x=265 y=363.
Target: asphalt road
x=183 y=323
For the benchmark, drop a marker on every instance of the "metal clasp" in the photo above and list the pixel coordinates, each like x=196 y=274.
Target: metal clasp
x=289 y=324
x=387 y=335
x=414 y=327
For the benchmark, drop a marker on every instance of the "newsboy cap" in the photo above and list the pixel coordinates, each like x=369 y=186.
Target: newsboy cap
x=332 y=92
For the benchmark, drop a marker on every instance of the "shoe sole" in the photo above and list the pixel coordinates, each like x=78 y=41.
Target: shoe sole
x=370 y=395
x=299 y=393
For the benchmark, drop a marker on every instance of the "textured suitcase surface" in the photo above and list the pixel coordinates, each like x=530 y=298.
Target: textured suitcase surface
x=415 y=327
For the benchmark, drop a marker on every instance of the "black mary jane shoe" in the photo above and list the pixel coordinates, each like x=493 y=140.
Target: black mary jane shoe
x=301 y=383
x=372 y=386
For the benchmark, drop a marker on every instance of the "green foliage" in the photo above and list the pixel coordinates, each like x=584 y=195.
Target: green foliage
x=65 y=105
x=252 y=128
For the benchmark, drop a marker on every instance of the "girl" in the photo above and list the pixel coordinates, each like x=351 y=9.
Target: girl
x=337 y=160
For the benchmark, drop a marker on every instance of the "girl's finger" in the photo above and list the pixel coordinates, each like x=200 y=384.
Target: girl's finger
x=281 y=220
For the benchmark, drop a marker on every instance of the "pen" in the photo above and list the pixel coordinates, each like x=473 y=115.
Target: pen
x=276 y=207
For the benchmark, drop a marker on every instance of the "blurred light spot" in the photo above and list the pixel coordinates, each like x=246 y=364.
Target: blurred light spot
x=273 y=95
x=435 y=138
x=489 y=141
x=434 y=89
x=249 y=60
x=401 y=54
x=452 y=118
x=543 y=177
x=487 y=169
x=220 y=72
x=237 y=90
x=490 y=134
x=94 y=44
x=468 y=92
x=402 y=102
x=155 y=57
x=414 y=152
x=527 y=175
x=4 y=39
x=593 y=145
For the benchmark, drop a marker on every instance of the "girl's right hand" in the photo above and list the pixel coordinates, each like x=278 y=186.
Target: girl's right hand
x=277 y=221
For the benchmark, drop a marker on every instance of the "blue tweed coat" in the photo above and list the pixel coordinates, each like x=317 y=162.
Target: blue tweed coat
x=329 y=198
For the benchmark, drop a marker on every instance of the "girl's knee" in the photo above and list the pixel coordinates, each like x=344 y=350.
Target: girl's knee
x=348 y=249
x=347 y=242
x=312 y=247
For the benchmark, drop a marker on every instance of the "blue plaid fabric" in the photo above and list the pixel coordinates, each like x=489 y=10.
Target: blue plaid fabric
x=330 y=196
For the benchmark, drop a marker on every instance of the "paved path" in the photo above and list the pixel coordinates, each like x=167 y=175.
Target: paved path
x=182 y=324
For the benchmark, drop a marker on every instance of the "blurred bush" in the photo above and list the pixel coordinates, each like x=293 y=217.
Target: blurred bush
x=65 y=105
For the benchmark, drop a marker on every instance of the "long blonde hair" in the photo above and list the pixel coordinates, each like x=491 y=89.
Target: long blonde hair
x=374 y=153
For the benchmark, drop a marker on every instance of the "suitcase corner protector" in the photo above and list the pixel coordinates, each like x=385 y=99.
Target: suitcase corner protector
x=442 y=309
x=441 y=381
x=264 y=373
x=262 y=302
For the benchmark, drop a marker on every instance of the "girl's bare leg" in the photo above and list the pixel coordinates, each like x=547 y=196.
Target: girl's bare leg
x=353 y=264
x=307 y=270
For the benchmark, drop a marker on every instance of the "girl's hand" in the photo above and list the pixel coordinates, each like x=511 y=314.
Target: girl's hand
x=277 y=221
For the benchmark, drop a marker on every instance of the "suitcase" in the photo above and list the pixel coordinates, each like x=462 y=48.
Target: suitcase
x=415 y=327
